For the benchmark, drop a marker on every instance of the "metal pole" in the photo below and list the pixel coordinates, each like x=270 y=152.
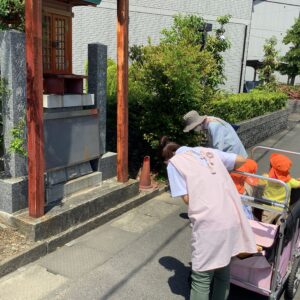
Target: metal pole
x=34 y=111
x=122 y=90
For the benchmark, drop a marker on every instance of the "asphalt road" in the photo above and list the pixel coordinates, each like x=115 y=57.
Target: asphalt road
x=143 y=254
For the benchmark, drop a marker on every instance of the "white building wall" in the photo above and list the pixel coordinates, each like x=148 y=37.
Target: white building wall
x=147 y=19
x=270 y=18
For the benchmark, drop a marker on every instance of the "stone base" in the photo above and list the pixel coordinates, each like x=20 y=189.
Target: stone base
x=108 y=165
x=13 y=195
x=75 y=210
x=59 y=184
x=61 y=190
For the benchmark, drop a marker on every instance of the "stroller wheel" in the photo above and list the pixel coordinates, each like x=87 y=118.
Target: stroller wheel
x=293 y=280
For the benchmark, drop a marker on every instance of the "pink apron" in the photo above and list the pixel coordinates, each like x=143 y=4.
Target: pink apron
x=220 y=228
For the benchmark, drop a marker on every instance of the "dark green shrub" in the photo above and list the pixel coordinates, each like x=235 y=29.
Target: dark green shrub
x=12 y=14
x=179 y=74
x=168 y=80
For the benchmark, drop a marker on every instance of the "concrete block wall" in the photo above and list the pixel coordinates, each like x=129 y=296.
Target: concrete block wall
x=260 y=128
x=147 y=19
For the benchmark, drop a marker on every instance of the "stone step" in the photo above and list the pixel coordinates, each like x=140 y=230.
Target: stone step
x=75 y=209
x=59 y=191
x=50 y=244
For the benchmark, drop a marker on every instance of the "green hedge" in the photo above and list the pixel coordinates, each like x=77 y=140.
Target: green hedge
x=240 y=107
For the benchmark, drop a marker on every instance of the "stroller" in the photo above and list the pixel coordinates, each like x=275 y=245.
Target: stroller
x=277 y=268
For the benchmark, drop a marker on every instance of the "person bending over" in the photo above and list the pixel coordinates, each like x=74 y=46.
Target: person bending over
x=220 y=229
x=221 y=135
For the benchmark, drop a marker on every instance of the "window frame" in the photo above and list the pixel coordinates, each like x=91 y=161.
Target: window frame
x=53 y=38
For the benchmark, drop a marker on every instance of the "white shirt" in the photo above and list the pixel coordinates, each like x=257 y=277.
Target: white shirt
x=177 y=181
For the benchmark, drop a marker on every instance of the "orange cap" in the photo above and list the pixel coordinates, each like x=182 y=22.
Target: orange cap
x=250 y=166
x=280 y=167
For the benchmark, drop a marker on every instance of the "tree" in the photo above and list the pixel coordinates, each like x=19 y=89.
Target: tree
x=269 y=64
x=217 y=44
x=192 y=30
x=290 y=65
x=12 y=14
x=181 y=73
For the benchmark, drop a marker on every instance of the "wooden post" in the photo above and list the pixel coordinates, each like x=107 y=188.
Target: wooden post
x=34 y=92
x=122 y=90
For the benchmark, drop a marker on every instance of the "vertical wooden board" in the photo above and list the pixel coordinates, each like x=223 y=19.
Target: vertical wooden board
x=122 y=90
x=34 y=91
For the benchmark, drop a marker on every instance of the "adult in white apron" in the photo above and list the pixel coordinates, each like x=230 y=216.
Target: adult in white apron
x=220 y=229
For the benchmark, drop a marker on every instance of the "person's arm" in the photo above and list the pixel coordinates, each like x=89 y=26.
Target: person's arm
x=185 y=199
x=230 y=160
x=177 y=182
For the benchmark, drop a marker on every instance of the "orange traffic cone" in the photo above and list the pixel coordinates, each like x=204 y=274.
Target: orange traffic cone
x=145 y=179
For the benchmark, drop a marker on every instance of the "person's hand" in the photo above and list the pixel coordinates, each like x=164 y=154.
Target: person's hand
x=185 y=199
x=239 y=161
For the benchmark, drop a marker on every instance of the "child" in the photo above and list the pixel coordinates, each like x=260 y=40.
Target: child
x=280 y=166
x=250 y=166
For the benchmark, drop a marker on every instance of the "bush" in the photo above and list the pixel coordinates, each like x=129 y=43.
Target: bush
x=240 y=107
x=168 y=84
x=183 y=72
x=12 y=14
x=168 y=80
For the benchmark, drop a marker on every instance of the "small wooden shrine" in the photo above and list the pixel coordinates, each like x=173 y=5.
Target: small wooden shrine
x=57 y=47
x=48 y=30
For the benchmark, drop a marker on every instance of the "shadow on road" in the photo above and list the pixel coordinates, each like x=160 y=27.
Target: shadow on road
x=180 y=285
x=179 y=281
x=184 y=216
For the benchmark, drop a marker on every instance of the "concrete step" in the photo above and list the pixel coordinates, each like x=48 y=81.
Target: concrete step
x=75 y=209
x=35 y=228
x=59 y=191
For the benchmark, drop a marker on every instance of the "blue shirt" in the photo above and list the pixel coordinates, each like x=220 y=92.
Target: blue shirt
x=223 y=137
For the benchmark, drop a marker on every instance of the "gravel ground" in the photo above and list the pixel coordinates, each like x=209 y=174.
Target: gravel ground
x=12 y=242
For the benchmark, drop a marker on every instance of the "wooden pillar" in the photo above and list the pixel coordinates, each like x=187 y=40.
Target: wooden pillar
x=122 y=90
x=34 y=93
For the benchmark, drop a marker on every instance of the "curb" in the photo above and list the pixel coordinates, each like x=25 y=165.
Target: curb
x=49 y=245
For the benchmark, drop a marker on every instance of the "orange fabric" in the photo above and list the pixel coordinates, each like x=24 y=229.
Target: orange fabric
x=280 y=167
x=250 y=166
